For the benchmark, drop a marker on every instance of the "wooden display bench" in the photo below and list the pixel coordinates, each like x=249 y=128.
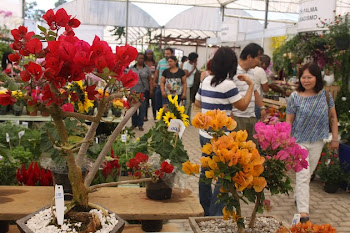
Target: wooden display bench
x=43 y=119
x=130 y=203
x=274 y=103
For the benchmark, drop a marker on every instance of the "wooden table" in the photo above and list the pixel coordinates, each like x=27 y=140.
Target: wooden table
x=130 y=203
x=43 y=119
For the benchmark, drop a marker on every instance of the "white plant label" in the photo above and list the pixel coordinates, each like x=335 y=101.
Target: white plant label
x=123 y=137
x=20 y=134
x=96 y=139
x=296 y=219
x=176 y=125
x=25 y=124
x=59 y=203
x=7 y=137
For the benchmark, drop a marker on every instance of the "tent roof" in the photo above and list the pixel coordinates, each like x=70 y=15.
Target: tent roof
x=108 y=13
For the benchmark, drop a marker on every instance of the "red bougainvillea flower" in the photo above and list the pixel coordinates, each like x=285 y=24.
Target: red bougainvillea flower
x=91 y=92
x=34 y=46
x=18 y=34
x=49 y=17
x=133 y=164
x=129 y=80
x=14 y=57
x=68 y=107
x=166 y=167
x=7 y=99
x=141 y=157
x=126 y=54
x=35 y=70
x=61 y=17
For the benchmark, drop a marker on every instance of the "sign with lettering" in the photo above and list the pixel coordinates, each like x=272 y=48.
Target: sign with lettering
x=177 y=126
x=311 y=11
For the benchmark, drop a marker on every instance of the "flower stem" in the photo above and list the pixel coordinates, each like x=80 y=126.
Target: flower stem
x=255 y=210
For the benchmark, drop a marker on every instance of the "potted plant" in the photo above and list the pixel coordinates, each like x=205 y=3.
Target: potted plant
x=340 y=30
x=330 y=170
x=18 y=106
x=117 y=107
x=344 y=146
x=308 y=227
x=243 y=173
x=66 y=60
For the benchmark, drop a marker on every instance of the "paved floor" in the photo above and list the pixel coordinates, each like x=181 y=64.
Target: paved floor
x=324 y=207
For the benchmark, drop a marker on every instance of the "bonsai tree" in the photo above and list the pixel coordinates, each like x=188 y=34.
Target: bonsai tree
x=51 y=62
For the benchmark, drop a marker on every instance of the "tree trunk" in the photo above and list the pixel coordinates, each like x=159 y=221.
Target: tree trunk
x=238 y=209
x=255 y=210
x=80 y=192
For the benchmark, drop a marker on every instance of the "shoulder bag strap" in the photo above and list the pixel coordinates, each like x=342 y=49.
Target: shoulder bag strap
x=330 y=120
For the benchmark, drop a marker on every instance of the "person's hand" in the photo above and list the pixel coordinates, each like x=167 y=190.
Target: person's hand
x=245 y=78
x=163 y=94
x=334 y=145
x=183 y=96
x=263 y=114
x=195 y=65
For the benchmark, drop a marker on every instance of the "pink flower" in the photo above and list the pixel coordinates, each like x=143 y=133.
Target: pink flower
x=68 y=107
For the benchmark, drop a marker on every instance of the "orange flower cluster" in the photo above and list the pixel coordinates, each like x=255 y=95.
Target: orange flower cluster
x=190 y=168
x=233 y=150
x=228 y=214
x=213 y=120
x=308 y=227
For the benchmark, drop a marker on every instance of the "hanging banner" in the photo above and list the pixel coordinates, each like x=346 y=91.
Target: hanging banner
x=311 y=11
x=228 y=31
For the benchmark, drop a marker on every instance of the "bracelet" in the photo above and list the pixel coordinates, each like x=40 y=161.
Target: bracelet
x=262 y=107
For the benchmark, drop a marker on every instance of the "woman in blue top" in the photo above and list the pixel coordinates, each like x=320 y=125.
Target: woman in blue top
x=309 y=112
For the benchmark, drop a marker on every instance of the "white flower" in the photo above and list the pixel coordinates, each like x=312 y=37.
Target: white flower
x=343 y=98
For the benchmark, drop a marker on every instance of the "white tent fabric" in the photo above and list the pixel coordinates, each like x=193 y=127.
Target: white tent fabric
x=108 y=13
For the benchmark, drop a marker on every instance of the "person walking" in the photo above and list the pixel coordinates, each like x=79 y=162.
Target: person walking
x=144 y=85
x=248 y=59
x=173 y=82
x=310 y=112
x=162 y=65
x=152 y=64
x=190 y=68
x=261 y=81
x=218 y=91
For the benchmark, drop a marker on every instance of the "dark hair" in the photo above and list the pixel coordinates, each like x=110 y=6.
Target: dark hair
x=5 y=60
x=141 y=54
x=315 y=70
x=265 y=59
x=172 y=58
x=251 y=49
x=183 y=59
x=170 y=49
x=209 y=64
x=146 y=59
x=192 y=56
x=223 y=63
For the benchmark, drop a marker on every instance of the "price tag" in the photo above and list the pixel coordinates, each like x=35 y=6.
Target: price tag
x=59 y=203
x=176 y=125
x=25 y=124
x=296 y=219
x=123 y=137
x=20 y=134
x=96 y=139
x=7 y=137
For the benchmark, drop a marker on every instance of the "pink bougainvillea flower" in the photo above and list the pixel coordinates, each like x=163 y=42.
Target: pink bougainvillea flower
x=68 y=107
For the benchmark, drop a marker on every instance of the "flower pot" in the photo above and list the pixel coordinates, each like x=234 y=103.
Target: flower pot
x=158 y=190
x=21 y=223
x=34 y=113
x=344 y=156
x=3 y=110
x=198 y=223
x=329 y=79
x=331 y=188
x=17 y=109
x=152 y=225
x=342 y=43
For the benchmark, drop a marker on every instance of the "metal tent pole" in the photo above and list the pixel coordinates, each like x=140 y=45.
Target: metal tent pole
x=127 y=22
x=265 y=24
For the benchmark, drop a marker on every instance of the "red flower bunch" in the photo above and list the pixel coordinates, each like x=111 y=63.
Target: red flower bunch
x=111 y=165
x=66 y=59
x=34 y=175
x=141 y=166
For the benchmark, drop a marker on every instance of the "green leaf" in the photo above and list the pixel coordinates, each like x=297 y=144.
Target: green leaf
x=52 y=33
x=39 y=37
x=75 y=139
x=41 y=28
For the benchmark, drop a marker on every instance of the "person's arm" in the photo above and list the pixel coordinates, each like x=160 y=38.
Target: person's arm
x=184 y=83
x=203 y=75
x=197 y=103
x=265 y=87
x=260 y=104
x=156 y=75
x=188 y=73
x=162 y=86
x=290 y=119
x=334 y=127
x=243 y=103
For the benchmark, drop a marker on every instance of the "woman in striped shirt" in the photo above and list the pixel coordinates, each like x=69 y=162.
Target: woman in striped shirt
x=309 y=111
x=218 y=91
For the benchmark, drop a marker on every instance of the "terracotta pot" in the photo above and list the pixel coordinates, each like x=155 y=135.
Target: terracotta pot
x=21 y=223
x=34 y=113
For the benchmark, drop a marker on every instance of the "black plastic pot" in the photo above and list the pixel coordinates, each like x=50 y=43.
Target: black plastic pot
x=158 y=190
x=331 y=188
x=21 y=223
x=342 y=43
x=152 y=225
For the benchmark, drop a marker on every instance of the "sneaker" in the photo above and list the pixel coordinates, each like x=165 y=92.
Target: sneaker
x=141 y=128
x=304 y=219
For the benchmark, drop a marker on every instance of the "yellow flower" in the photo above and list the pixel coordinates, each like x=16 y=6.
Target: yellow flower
x=205 y=161
x=213 y=165
x=241 y=136
x=231 y=124
x=201 y=121
x=207 y=149
x=117 y=103
x=210 y=174
x=181 y=109
x=190 y=168
x=173 y=100
x=160 y=114
x=168 y=116
x=226 y=213
x=84 y=107
x=259 y=184
x=242 y=180
x=185 y=120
